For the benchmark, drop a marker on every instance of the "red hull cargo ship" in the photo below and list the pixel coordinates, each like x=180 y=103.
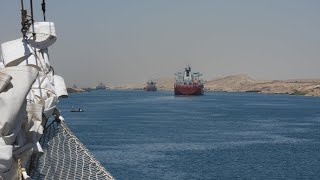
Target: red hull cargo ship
x=188 y=83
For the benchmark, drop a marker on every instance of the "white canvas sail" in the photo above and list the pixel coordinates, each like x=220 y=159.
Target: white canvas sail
x=60 y=86
x=45 y=34
x=13 y=114
x=29 y=93
x=14 y=52
x=4 y=80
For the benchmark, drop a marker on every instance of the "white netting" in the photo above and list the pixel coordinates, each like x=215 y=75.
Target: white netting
x=65 y=157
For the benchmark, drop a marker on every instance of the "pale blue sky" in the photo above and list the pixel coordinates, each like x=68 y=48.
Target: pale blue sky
x=122 y=41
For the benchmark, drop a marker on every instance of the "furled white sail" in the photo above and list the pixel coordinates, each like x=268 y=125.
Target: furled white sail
x=29 y=93
x=14 y=52
x=45 y=34
x=4 y=80
x=60 y=86
x=13 y=114
x=28 y=96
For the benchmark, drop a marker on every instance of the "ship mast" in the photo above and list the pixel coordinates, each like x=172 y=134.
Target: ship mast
x=28 y=20
x=25 y=21
x=43 y=7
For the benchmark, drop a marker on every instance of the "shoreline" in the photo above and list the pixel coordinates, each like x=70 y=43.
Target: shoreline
x=79 y=90
x=235 y=83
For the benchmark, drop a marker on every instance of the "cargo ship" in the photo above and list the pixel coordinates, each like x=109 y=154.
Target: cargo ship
x=151 y=86
x=188 y=83
x=101 y=86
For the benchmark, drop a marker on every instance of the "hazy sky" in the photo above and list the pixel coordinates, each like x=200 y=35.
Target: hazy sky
x=122 y=41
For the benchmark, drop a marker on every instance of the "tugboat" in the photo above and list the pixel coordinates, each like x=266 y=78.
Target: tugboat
x=188 y=83
x=151 y=86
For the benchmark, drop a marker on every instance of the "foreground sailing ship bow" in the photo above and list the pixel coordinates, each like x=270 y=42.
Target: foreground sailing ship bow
x=29 y=92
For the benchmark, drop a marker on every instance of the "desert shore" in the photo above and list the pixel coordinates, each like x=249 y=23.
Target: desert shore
x=239 y=83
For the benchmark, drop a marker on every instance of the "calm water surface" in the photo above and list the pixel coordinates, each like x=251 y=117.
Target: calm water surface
x=154 y=135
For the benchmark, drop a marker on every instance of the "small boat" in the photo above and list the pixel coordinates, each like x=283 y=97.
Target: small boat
x=76 y=110
x=151 y=86
x=188 y=83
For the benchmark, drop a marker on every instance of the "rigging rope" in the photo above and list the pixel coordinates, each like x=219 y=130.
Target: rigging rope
x=32 y=20
x=25 y=22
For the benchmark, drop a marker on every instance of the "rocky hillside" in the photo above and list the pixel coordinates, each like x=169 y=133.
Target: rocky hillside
x=243 y=83
x=230 y=83
x=165 y=83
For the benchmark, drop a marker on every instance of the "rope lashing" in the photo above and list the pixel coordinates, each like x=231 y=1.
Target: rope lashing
x=25 y=22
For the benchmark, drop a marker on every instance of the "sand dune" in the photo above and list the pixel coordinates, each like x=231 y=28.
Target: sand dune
x=244 y=83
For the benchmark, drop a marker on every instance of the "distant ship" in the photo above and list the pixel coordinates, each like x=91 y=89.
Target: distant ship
x=188 y=83
x=151 y=86
x=101 y=86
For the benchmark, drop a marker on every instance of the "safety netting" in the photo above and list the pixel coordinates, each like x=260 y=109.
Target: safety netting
x=64 y=157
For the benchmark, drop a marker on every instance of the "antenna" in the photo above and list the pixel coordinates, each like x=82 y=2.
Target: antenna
x=22 y=6
x=43 y=6
x=32 y=20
